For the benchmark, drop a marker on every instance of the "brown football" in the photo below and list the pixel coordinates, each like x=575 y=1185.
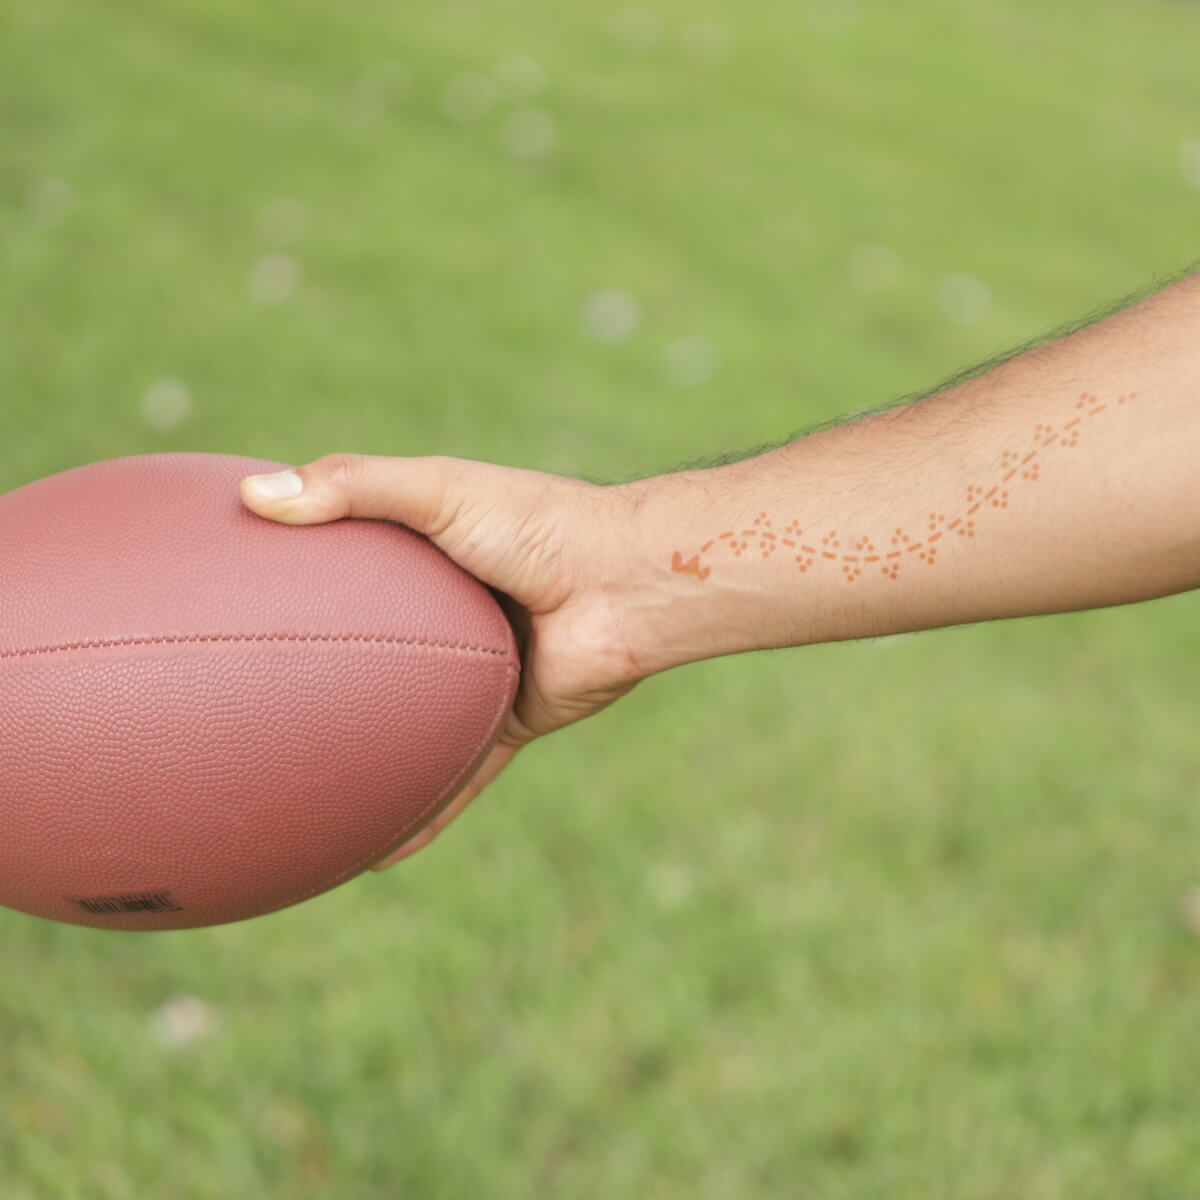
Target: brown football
x=205 y=715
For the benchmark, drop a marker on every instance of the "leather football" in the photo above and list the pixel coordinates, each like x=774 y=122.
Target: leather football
x=205 y=715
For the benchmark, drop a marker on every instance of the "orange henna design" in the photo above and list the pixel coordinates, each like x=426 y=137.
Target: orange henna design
x=691 y=567
x=1025 y=463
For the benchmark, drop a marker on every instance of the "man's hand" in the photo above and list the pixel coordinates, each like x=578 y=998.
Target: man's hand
x=1063 y=479
x=551 y=546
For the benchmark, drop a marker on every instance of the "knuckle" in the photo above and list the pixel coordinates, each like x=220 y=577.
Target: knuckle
x=342 y=470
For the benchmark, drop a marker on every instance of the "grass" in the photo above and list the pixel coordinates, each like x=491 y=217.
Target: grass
x=881 y=920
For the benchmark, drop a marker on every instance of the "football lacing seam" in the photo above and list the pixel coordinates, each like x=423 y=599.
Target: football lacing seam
x=199 y=639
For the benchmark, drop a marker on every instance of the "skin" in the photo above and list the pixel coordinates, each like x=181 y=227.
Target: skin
x=1064 y=479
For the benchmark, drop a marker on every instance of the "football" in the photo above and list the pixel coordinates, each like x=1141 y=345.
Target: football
x=205 y=715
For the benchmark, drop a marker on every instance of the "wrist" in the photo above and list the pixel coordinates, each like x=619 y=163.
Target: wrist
x=803 y=544
x=672 y=606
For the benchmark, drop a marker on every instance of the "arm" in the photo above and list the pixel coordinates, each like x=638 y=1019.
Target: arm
x=1067 y=478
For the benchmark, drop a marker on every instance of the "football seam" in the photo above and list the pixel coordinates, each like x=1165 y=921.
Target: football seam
x=200 y=639
x=511 y=670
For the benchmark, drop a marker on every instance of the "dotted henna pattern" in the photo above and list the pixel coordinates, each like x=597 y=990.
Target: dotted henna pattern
x=856 y=554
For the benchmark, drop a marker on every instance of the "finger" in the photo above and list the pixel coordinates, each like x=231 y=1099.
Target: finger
x=426 y=494
x=497 y=759
x=494 y=521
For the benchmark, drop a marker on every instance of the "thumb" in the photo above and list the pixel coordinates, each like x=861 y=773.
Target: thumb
x=412 y=491
x=501 y=524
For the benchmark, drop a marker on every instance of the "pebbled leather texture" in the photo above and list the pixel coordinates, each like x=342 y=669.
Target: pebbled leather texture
x=206 y=716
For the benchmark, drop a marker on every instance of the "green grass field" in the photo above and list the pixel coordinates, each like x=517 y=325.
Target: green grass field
x=884 y=920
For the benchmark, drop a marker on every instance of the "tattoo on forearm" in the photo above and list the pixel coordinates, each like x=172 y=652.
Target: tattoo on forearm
x=811 y=549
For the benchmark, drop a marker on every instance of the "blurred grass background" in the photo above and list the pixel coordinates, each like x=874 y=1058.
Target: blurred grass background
x=910 y=918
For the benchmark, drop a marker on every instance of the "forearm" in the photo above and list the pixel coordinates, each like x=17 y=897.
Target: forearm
x=1068 y=478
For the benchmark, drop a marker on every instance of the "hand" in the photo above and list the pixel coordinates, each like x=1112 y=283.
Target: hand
x=550 y=545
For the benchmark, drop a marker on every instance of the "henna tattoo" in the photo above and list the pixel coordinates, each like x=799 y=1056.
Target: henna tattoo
x=859 y=553
x=691 y=567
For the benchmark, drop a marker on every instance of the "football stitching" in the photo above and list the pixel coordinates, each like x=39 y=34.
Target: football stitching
x=253 y=637
x=459 y=782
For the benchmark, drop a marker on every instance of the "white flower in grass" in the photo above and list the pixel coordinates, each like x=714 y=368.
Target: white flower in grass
x=166 y=405
x=832 y=16
x=1191 y=910
x=610 y=315
x=49 y=201
x=963 y=299
x=529 y=135
x=1189 y=163
x=274 y=278
x=873 y=267
x=690 y=360
x=183 y=1020
x=520 y=77
x=636 y=28
x=670 y=885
